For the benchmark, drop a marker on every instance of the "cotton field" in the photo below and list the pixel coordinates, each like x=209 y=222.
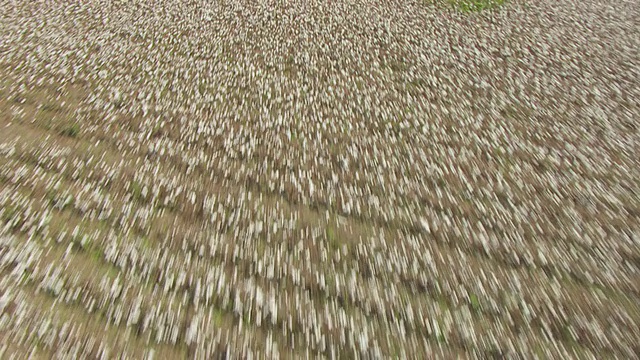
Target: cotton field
x=333 y=179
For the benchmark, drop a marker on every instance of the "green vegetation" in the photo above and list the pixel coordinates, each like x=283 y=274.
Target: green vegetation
x=50 y=107
x=8 y=213
x=96 y=254
x=475 y=302
x=331 y=237
x=475 y=5
x=442 y=302
x=136 y=191
x=218 y=317
x=71 y=130
x=202 y=88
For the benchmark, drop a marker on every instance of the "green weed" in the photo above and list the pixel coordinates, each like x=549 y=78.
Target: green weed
x=475 y=5
x=475 y=302
x=136 y=191
x=71 y=130
x=330 y=233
